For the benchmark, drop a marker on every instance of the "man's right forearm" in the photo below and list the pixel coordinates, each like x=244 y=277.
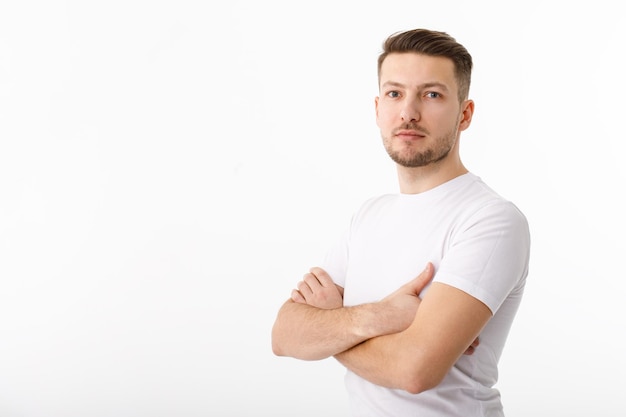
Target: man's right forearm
x=306 y=332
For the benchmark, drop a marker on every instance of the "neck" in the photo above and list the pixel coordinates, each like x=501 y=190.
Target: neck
x=420 y=179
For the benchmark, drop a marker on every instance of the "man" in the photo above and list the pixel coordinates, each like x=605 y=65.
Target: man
x=425 y=346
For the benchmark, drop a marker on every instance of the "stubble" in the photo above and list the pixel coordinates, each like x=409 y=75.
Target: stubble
x=413 y=155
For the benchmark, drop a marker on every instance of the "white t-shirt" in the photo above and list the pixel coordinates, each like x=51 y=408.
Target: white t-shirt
x=478 y=242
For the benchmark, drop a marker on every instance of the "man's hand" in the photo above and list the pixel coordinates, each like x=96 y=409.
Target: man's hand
x=470 y=350
x=401 y=306
x=317 y=289
x=405 y=301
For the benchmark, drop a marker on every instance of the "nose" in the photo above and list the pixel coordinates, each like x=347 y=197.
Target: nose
x=409 y=112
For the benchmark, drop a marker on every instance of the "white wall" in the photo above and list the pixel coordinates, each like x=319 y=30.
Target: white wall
x=169 y=170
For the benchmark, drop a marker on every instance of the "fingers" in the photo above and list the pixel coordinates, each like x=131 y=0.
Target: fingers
x=472 y=348
x=317 y=289
x=475 y=343
x=311 y=282
x=321 y=277
x=304 y=289
x=418 y=284
x=427 y=274
x=297 y=297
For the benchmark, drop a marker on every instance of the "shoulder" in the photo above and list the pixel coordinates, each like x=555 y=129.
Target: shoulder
x=484 y=202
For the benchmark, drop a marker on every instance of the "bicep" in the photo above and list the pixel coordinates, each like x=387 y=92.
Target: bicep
x=447 y=322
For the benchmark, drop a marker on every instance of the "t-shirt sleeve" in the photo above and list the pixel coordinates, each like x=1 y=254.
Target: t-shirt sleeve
x=488 y=254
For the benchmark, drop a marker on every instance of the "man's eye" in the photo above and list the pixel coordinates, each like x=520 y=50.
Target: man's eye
x=433 y=94
x=393 y=94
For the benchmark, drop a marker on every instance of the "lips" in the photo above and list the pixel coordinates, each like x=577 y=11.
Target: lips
x=409 y=134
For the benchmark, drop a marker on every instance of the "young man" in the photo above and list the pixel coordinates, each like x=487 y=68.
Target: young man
x=425 y=346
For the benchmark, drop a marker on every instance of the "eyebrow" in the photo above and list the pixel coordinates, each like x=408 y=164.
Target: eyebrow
x=421 y=86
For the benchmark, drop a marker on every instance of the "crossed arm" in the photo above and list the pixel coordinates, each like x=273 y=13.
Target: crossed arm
x=402 y=341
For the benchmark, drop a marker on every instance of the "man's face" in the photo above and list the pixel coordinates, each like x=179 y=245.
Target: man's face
x=418 y=110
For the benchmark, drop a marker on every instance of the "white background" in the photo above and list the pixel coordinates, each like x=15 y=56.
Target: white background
x=170 y=169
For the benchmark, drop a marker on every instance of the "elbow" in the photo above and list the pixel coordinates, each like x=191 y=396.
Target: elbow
x=284 y=349
x=417 y=385
x=282 y=345
x=419 y=370
x=417 y=381
x=277 y=347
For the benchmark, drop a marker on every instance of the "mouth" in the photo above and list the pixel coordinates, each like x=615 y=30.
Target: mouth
x=407 y=134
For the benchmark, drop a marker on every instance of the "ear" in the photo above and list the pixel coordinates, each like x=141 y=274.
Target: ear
x=467 y=111
x=376 y=108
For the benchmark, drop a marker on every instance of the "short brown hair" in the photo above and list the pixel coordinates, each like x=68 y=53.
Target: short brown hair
x=432 y=43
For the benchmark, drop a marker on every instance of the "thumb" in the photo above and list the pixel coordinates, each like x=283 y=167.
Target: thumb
x=418 y=283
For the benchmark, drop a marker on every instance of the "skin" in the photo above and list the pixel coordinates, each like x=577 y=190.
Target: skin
x=403 y=341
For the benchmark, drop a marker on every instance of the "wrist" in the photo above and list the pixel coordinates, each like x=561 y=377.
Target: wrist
x=367 y=320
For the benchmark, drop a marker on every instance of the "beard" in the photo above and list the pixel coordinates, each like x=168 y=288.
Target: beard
x=406 y=155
